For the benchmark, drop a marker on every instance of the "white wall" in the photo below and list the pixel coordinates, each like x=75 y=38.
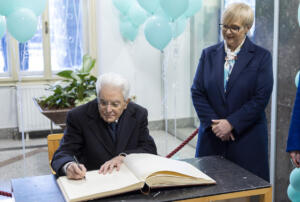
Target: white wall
x=142 y=64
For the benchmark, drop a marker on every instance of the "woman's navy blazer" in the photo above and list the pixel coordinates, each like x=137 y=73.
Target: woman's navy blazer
x=243 y=104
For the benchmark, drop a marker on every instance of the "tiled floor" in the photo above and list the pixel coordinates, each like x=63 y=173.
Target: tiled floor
x=12 y=164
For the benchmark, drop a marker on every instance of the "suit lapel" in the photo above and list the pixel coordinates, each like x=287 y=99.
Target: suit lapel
x=243 y=58
x=126 y=124
x=218 y=59
x=98 y=126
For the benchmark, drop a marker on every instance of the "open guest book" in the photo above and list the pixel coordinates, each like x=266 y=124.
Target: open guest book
x=137 y=171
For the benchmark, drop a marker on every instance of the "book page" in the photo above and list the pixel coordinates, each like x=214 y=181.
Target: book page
x=165 y=179
x=144 y=165
x=98 y=185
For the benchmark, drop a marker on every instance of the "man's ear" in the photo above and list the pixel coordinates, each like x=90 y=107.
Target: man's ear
x=126 y=102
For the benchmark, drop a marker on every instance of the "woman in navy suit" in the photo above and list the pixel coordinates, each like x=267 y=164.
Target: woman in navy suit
x=293 y=143
x=230 y=92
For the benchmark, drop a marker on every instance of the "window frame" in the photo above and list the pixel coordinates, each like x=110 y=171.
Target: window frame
x=14 y=76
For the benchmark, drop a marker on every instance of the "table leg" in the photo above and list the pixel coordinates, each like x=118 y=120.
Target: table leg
x=266 y=197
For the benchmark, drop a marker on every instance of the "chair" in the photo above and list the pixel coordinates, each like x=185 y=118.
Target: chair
x=53 y=143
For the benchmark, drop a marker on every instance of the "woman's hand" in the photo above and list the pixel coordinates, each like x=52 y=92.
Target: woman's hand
x=295 y=155
x=108 y=166
x=222 y=128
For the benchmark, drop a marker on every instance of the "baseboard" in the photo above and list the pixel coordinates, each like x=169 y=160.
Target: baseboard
x=38 y=134
x=180 y=123
x=8 y=133
x=14 y=133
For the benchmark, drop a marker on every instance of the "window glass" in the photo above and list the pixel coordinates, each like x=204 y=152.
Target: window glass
x=31 y=53
x=66 y=34
x=3 y=56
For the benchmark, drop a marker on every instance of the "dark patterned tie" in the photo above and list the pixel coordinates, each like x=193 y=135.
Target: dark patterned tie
x=113 y=130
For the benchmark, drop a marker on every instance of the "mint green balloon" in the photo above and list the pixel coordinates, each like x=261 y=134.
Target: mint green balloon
x=149 y=5
x=128 y=31
x=158 y=32
x=2 y=26
x=22 y=24
x=37 y=6
x=297 y=79
x=178 y=26
x=293 y=195
x=295 y=179
x=159 y=12
x=174 y=8
x=137 y=14
x=194 y=7
x=7 y=6
x=123 y=5
x=123 y=18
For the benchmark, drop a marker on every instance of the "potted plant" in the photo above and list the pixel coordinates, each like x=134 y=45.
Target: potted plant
x=78 y=87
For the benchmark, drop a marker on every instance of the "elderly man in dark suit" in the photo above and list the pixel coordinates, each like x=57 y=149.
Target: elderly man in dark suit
x=100 y=133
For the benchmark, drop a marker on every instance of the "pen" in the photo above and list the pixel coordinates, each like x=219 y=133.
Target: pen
x=77 y=162
x=156 y=194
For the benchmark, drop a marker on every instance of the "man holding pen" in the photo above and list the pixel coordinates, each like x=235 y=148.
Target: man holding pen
x=100 y=133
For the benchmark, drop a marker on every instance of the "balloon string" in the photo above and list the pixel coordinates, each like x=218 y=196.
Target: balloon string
x=165 y=96
x=175 y=87
x=21 y=107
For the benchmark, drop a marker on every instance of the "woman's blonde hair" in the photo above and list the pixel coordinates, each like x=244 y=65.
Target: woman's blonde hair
x=238 y=12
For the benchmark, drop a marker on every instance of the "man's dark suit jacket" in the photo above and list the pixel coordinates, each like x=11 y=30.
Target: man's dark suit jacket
x=88 y=137
x=247 y=94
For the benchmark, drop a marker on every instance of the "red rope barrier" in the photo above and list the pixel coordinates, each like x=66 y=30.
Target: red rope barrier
x=4 y=193
x=183 y=144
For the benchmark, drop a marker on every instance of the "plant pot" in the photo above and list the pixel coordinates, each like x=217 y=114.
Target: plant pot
x=57 y=116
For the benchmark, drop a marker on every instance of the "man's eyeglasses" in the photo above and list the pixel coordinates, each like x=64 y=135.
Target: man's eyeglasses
x=104 y=103
x=232 y=28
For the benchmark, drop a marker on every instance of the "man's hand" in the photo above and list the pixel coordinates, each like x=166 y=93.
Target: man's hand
x=222 y=128
x=295 y=155
x=109 y=166
x=76 y=171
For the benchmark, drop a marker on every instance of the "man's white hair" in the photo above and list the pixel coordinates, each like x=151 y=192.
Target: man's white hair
x=113 y=79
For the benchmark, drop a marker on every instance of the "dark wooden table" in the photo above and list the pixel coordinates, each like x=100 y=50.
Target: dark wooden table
x=232 y=182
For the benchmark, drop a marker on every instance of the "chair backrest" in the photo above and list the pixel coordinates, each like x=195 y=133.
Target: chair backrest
x=53 y=143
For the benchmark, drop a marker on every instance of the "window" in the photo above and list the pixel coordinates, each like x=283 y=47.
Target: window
x=66 y=34
x=57 y=44
x=3 y=56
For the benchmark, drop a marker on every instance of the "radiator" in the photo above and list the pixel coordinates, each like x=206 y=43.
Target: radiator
x=29 y=116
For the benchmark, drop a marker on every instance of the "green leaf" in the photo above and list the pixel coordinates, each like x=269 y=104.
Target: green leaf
x=87 y=64
x=76 y=77
x=65 y=74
